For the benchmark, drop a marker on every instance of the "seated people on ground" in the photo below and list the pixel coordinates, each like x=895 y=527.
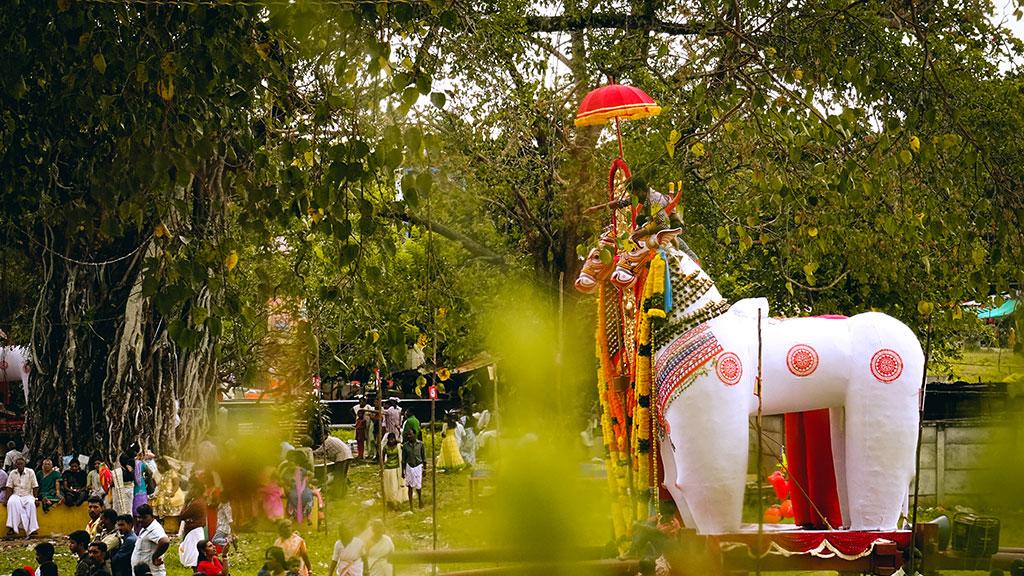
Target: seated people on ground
x=275 y=564
x=44 y=555
x=209 y=563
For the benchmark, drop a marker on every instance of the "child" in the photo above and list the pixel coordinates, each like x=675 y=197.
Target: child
x=414 y=456
x=223 y=536
x=360 y=432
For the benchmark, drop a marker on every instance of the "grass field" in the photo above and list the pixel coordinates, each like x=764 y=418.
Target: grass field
x=990 y=365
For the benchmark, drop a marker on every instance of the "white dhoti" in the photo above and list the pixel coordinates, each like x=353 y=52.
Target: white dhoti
x=188 y=553
x=394 y=490
x=21 y=514
x=414 y=476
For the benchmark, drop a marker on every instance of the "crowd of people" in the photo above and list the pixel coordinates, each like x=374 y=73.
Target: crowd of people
x=122 y=485
x=128 y=499
x=396 y=437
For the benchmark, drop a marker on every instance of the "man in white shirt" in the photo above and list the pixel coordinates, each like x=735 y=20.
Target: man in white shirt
x=393 y=419
x=152 y=542
x=337 y=455
x=22 y=490
x=12 y=454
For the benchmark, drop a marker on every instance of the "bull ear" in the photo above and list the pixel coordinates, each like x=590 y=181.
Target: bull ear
x=663 y=237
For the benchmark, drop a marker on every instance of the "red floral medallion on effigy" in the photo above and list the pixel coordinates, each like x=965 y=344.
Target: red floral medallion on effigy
x=886 y=365
x=802 y=360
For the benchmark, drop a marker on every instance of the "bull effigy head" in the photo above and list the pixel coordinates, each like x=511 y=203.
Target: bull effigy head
x=647 y=239
x=656 y=232
x=595 y=271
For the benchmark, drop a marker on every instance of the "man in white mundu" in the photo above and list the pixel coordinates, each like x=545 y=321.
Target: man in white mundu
x=22 y=489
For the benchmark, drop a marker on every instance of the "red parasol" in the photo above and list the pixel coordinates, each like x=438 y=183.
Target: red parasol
x=613 y=102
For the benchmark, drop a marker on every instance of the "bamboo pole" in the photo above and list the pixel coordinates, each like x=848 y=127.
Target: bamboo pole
x=917 y=457
x=433 y=399
x=760 y=447
x=380 y=446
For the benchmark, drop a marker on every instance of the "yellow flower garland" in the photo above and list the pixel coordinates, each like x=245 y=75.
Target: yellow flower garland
x=629 y=444
x=644 y=469
x=616 y=460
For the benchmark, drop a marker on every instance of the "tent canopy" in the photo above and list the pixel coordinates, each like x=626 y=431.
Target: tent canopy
x=992 y=313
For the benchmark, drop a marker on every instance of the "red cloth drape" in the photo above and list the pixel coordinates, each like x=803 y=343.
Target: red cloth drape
x=848 y=544
x=811 y=470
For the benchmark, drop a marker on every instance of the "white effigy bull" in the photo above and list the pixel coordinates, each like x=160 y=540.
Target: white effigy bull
x=866 y=370
x=15 y=366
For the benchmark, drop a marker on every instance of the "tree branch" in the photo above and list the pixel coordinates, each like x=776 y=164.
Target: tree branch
x=470 y=245
x=550 y=49
x=565 y=23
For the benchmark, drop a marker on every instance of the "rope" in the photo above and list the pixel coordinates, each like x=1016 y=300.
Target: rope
x=86 y=262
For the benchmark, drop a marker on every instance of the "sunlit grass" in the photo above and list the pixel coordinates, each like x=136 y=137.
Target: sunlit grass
x=990 y=365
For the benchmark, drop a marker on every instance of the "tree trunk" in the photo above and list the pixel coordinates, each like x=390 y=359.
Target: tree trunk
x=107 y=373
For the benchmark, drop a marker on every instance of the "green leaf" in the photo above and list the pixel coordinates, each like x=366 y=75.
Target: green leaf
x=978 y=255
x=409 y=192
x=424 y=180
x=670 y=144
x=199 y=315
x=99 y=63
x=438 y=99
x=423 y=83
x=409 y=97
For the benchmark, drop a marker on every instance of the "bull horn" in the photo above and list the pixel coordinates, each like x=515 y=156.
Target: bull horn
x=671 y=206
